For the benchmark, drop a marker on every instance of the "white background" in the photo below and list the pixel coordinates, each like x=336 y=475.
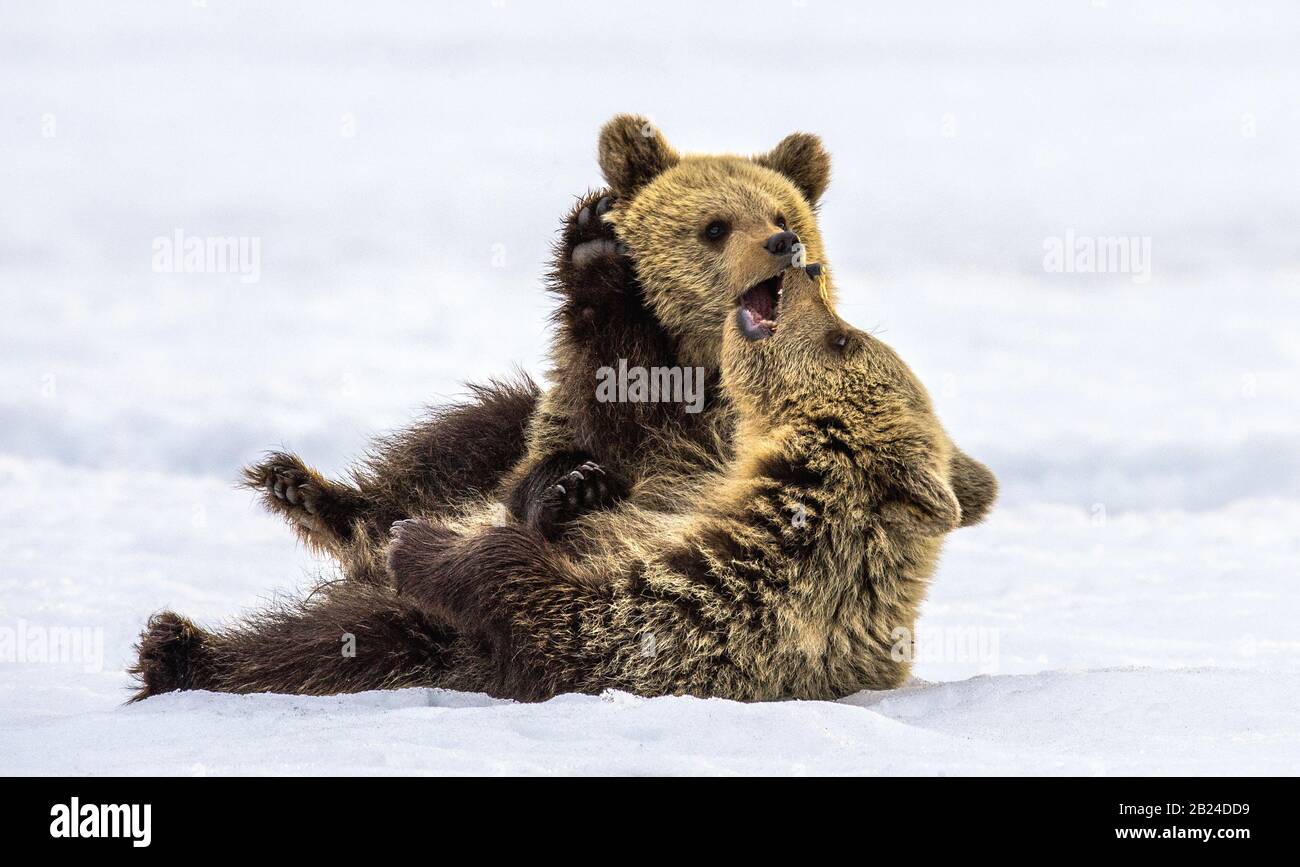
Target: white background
x=1139 y=574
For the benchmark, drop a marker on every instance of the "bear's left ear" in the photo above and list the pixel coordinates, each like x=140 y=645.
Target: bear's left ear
x=801 y=158
x=926 y=503
x=631 y=153
x=975 y=486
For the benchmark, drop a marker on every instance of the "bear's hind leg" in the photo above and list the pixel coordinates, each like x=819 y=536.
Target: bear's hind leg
x=348 y=637
x=172 y=654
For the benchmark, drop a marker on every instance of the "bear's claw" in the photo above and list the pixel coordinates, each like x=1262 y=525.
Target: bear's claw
x=589 y=237
x=581 y=490
x=292 y=486
x=287 y=485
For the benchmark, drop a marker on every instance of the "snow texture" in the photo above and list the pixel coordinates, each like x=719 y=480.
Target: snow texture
x=1129 y=608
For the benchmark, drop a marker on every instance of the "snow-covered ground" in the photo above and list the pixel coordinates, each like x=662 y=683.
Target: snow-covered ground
x=1131 y=606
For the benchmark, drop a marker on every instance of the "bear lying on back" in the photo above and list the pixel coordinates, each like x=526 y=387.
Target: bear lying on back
x=703 y=235
x=789 y=574
x=790 y=578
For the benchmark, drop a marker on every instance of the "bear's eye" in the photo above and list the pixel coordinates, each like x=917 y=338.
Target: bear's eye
x=717 y=230
x=780 y=222
x=841 y=342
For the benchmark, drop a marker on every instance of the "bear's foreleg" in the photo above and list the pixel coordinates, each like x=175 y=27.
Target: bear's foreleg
x=459 y=451
x=322 y=512
x=555 y=490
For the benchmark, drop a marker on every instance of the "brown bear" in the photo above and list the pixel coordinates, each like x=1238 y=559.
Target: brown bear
x=790 y=572
x=704 y=236
x=698 y=233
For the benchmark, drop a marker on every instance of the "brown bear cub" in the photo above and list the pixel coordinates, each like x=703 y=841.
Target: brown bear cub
x=788 y=578
x=644 y=272
x=786 y=573
x=703 y=236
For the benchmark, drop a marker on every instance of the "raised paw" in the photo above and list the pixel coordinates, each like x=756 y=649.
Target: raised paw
x=586 y=488
x=323 y=512
x=172 y=654
x=288 y=483
x=589 y=237
x=593 y=273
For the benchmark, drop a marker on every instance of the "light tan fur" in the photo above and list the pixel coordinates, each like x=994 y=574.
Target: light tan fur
x=663 y=202
x=795 y=570
x=701 y=551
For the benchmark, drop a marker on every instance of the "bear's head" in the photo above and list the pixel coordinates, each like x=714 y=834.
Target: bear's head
x=709 y=232
x=849 y=400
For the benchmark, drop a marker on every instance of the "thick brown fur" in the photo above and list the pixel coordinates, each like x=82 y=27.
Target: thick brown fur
x=635 y=282
x=511 y=443
x=662 y=304
x=457 y=453
x=657 y=464
x=349 y=636
x=797 y=574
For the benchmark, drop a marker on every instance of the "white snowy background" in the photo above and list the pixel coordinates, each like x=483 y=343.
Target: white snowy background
x=404 y=167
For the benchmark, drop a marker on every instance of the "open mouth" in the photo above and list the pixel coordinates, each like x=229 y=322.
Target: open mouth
x=758 y=308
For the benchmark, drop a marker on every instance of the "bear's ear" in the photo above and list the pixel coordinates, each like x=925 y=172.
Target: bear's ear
x=801 y=158
x=975 y=486
x=632 y=153
x=926 y=503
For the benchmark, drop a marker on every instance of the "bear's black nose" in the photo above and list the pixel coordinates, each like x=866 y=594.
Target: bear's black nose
x=781 y=243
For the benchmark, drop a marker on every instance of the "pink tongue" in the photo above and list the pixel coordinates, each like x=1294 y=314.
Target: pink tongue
x=754 y=325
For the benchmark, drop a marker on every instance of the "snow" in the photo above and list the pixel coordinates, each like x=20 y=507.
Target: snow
x=1112 y=721
x=1130 y=606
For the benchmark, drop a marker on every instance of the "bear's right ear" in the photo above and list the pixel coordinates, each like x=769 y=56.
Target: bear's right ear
x=803 y=159
x=632 y=153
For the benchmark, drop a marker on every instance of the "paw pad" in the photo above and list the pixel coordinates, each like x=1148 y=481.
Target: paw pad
x=590 y=237
x=580 y=490
x=291 y=486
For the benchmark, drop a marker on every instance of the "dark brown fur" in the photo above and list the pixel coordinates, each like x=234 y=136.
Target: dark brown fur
x=466 y=451
x=732 y=599
x=457 y=453
x=508 y=442
x=740 y=600
x=302 y=647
